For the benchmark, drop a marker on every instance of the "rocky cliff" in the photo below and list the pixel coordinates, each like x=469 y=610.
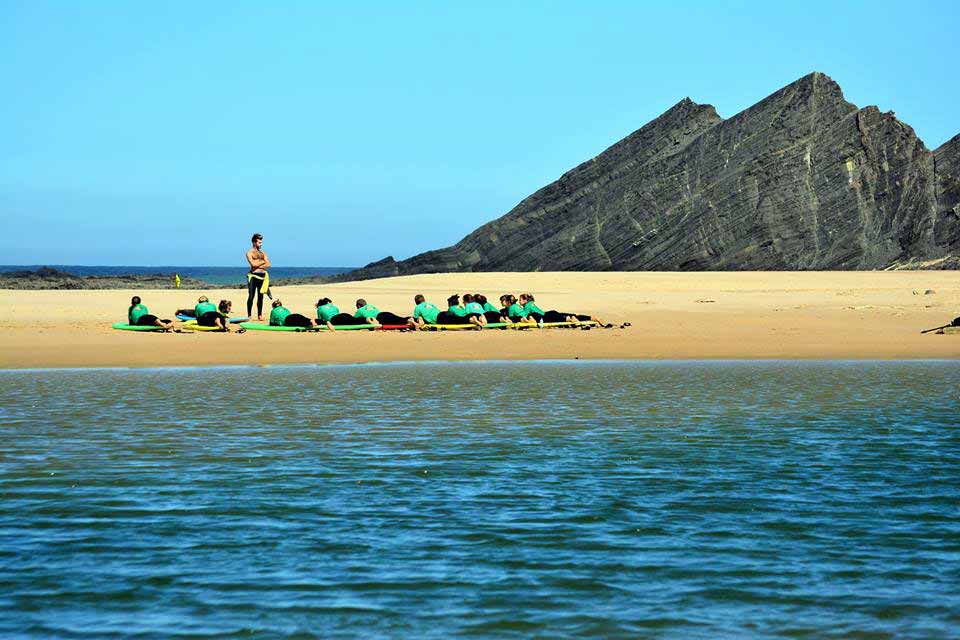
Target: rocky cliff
x=801 y=180
x=946 y=162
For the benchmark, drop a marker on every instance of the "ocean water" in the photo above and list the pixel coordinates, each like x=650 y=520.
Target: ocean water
x=616 y=500
x=213 y=275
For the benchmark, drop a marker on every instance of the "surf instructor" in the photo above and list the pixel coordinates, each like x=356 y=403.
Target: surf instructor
x=258 y=280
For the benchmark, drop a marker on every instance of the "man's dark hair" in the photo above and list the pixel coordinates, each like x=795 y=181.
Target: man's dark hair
x=453 y=300
x=417 y=299
x=361 y=303
x=256 y=237
x=323 y=301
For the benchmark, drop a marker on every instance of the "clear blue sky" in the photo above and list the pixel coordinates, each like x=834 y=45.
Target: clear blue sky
x=167 y=132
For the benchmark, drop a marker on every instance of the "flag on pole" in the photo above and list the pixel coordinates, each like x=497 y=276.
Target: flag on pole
x=176 y=279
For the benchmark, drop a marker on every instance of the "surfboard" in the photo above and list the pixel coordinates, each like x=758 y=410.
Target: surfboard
x=123 y=326
x=394 y=327
x=256 y=326
x=450 y=327
x=235 y=320
x=351 y=327
x=193 y=326
x=552 y=325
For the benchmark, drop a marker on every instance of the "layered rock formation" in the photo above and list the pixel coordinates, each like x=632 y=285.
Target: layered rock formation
x=946 y=161
x=801 y=180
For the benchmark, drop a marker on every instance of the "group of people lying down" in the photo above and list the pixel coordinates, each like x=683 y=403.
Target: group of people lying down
x=206 y=313
x=471 y=308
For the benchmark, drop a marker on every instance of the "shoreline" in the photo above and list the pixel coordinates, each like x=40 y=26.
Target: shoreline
x=696 y=316
x=556 y=362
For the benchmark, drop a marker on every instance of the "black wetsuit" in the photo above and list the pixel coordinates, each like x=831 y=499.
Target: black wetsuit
x=559 y=316
x=297 y=320
x=209 y=319
x=253 y=289
x=385 y=317
x=344 y=319
x=445 y=317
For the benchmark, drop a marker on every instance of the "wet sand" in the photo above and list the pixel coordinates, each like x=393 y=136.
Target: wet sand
x=739 y=315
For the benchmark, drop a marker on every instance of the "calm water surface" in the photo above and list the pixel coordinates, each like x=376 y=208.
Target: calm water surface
x=667 y=500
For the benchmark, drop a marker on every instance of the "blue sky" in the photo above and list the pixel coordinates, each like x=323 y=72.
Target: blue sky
x=166 y=133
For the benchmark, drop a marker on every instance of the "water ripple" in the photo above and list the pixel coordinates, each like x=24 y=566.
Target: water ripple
x=707 y=500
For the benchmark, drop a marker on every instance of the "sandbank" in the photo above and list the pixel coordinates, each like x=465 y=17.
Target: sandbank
x=727 y=315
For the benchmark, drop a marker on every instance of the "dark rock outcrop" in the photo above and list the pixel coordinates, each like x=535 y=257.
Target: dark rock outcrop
x=801 y=180
x=947 y=167
x=48 y=278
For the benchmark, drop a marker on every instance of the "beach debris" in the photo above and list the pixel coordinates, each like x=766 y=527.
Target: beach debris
x=925 y=292
x=704 y=300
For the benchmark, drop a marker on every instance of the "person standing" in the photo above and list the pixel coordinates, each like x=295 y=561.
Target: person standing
x=258 y=280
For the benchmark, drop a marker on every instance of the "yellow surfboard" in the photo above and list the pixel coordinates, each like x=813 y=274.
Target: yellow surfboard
x=193 y=326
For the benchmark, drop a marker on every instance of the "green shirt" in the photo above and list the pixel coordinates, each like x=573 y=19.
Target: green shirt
x=327 y=311
x=516 y=311
x=473 y=307
x=136 y=312
x=428 y=311
x=531 y=307
x=278 y=315
x=458 y=311
x=204 y=307
x=367 y=311
x=489 y=307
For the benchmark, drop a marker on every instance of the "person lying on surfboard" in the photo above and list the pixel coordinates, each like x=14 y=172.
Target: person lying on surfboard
x=426 y=313
x=474 y=308
x=280 y=316
x=208 y=315
x=533 y=311
x=490 y=312
x=329 y=314
x=512 y=309
x=373 y=315
x=139 y=315
x=456 y=309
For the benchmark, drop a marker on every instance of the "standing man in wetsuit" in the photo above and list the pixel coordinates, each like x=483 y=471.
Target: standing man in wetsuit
x=258 y=281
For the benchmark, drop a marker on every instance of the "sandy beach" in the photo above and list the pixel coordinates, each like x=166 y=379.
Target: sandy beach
x=742 y=315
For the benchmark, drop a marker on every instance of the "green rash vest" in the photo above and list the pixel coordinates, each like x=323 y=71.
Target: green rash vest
x=327 y=311
x=489 y=307
x=458 y=311
x=516 y=311
x=278 y=315
x=136 y=312
x=367 y=311
x=474 y=307
x=428 y=311
x=531 y=307
x=204 y=307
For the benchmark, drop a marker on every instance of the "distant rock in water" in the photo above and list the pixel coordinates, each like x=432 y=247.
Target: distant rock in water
x=47 y=278
x=801 y=180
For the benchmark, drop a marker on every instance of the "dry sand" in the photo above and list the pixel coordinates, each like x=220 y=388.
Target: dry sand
x=745 y=315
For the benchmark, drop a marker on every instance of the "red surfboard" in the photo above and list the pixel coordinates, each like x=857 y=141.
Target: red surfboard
x=389 y=327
